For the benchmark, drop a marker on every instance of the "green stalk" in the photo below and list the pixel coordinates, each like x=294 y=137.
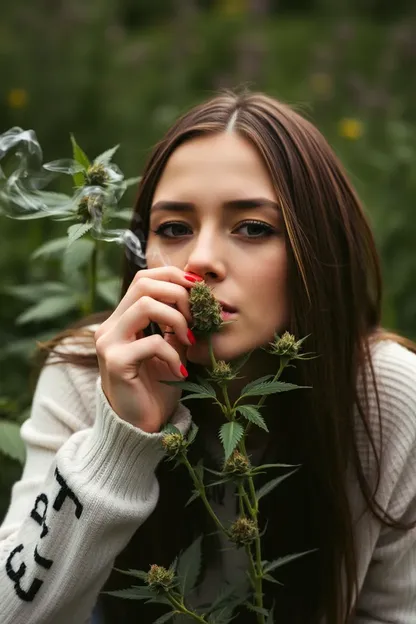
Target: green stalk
x=211 y=351
x=93 y=279
x=201 y=489
x=179 y=605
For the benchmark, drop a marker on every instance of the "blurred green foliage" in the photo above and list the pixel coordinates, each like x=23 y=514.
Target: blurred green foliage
x=121 y=71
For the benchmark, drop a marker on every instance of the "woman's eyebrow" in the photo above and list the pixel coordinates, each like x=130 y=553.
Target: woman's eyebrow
x=235 y=204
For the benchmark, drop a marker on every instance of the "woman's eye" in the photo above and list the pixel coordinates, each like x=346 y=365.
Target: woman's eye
x=256 y=229
x=172 y=230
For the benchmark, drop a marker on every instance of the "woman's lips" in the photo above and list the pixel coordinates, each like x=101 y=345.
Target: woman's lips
x=225 y=315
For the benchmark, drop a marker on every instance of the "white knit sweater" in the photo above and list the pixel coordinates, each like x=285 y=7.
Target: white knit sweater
x=89 y=483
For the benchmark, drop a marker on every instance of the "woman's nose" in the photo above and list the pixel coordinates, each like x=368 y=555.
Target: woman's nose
x=206 y=257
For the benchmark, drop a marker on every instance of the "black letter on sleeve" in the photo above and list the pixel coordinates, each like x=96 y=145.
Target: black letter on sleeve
x=66 y=492
x=40 y=518
x=16 y=575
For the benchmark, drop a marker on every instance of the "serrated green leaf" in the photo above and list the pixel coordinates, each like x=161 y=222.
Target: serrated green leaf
x=255 y=383
x=106 y=157
x=192 y=433
x=165 y=617
x=187 y=385
x=140 y=574
x=209 y=388
x=270 y=619
x=189 y=566
x=230 y=435
x=270 y=485
x=281 y=561
x=196 y=396
x=77 y=230
x=266 y=466
x=77 y=255
x=49 y=308
x=256 y=609
x=252 y=414
x=132 y=593
x=195 y=495
x=11 y=443
x=268 y=387
x=81 y=158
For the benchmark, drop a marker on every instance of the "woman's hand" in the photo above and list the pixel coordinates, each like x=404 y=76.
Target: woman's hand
x=132 y=365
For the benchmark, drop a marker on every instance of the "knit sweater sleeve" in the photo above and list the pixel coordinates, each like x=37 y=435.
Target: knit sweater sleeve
x=388 y=593
x=87 y=485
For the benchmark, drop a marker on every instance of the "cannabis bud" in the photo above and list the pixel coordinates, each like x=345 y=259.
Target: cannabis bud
x=237 y=464
x=243 y=531
x=96 y=175
x=173 y=443
x=205 y=309
x=222 y=372
x=285 y=345
x=90 y=207
x=159 y=577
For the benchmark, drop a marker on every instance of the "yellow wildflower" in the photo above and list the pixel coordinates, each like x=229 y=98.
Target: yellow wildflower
x=17 y=98
x=350 y=128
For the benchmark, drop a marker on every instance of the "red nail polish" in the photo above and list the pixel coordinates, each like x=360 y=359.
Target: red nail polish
x=183 y=370
x=192 y=277
x=191 y=337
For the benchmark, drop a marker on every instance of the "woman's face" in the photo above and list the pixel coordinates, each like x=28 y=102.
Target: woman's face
x=215 y=213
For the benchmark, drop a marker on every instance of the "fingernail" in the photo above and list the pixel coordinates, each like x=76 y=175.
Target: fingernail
x=192 y=277
x=183 y=370
x=191 y=337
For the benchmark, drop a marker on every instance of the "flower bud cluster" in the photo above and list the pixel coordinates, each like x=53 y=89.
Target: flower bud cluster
x=173 y=443
x=205 y=309
x=285 y=345
x=237 y=464
x=243 y=531
x=159 y=577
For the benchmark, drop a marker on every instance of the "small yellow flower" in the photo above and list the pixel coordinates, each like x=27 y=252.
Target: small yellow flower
x=17 y=98
x=321 y=83
x=350 y=128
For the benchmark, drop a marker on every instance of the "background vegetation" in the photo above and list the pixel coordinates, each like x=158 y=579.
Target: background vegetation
x=120 y=71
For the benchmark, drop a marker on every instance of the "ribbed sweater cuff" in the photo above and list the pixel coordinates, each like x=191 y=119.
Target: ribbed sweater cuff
x=118 y=456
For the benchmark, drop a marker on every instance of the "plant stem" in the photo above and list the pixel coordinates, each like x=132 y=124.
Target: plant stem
x=201 y=489
x=178 y=604
x=93 y=278
x=211 y=351
x=275 y=378
x=227 y=401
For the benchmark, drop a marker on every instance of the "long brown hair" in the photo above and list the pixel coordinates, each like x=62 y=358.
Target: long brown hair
x=335 y=297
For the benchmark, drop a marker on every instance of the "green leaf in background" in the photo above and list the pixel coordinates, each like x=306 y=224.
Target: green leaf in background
x=230 y=434
x=270 y=485
x=48 y=308
x=189 y=566
x=252 y=414
x=52 y=247
x=192 y=387
x=11 y=443
x=77 y=255
x=81 y=158
x=192 y=433
x=106 y=157
x=140 y=574
x=133 y=593
x=77 y=230
x=38 y=291
x=194 y=496
x=109 y=290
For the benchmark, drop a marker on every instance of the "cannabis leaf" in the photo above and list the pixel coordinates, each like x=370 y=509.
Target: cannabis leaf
x=230 y=435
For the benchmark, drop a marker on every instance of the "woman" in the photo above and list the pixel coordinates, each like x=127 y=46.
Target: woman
x=246 y=194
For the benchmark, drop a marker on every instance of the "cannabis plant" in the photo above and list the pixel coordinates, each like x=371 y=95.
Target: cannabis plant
x=172 y=586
